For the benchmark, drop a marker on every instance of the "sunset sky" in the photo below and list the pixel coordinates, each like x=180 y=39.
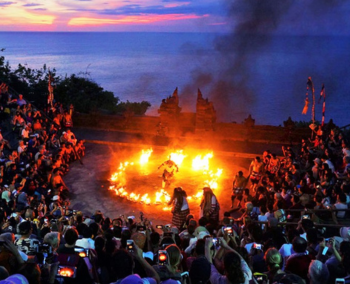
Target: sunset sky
x=116 y=15
x=298 y=16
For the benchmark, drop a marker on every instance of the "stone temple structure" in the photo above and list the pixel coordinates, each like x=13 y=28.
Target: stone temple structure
x=169 y=112
x=205 y=114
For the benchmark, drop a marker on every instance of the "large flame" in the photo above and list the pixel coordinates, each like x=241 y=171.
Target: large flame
x=178 y=157
x=162 y=197
x=201 y=164
x=145 y=156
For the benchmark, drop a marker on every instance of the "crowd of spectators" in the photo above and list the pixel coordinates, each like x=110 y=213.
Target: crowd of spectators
x=43 y=241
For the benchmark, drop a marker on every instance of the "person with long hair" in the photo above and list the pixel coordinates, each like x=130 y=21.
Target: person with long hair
x=180 y=207
x=236 y=269
x=172 y=267
x=210 y=207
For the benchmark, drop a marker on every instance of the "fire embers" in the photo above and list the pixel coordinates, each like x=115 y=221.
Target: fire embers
x=199 y=166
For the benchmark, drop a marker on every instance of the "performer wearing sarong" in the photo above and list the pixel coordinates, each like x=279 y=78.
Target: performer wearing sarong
x=210 y=207
x=180 y=207
x=169 y=169
x=239 y=183
x=255 y=172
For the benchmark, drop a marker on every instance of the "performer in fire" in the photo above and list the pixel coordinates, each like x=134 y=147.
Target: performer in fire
x=210 y=207
x=239 y=183
x=180 y=207
x=169 y=169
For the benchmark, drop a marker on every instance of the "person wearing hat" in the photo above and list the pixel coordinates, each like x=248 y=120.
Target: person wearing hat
x=55 y=207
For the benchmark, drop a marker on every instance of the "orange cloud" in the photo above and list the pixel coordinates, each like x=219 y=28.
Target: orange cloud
x=84 y=21
x=17 y=15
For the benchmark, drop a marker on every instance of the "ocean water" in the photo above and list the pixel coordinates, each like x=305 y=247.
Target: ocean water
x=262 y=76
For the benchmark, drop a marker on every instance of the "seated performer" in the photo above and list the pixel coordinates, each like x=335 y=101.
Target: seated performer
x=169 y=168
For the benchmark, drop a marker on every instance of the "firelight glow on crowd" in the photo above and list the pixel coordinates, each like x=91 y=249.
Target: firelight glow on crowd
x=287 y=222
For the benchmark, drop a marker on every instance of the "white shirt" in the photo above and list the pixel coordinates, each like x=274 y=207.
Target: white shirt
x=86 y=243
x=286 y=250
x=25 y=133
x=330 y=165
x=184 y=204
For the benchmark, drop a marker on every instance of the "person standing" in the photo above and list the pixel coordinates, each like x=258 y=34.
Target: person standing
x=169 y=169
x=210 y=207
x=180 y=208
x=239 y=183
x=255 y=172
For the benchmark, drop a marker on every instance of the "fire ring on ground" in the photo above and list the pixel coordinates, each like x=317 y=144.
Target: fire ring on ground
x=140 y=180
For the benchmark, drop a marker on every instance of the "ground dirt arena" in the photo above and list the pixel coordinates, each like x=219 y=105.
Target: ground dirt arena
x=89 y=182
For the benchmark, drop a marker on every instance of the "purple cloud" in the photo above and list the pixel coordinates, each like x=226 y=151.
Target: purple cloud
x=191 y=8
x=31 y=5
x=4 y=4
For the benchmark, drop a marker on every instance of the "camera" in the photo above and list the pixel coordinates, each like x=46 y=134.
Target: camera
x=45 y=248
x=141 y=229
x=82 y=252
x=260 y=278
x=130 y=245
x=216 y=242
x=162 y=257
x=228 y=230
x=257 y=246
